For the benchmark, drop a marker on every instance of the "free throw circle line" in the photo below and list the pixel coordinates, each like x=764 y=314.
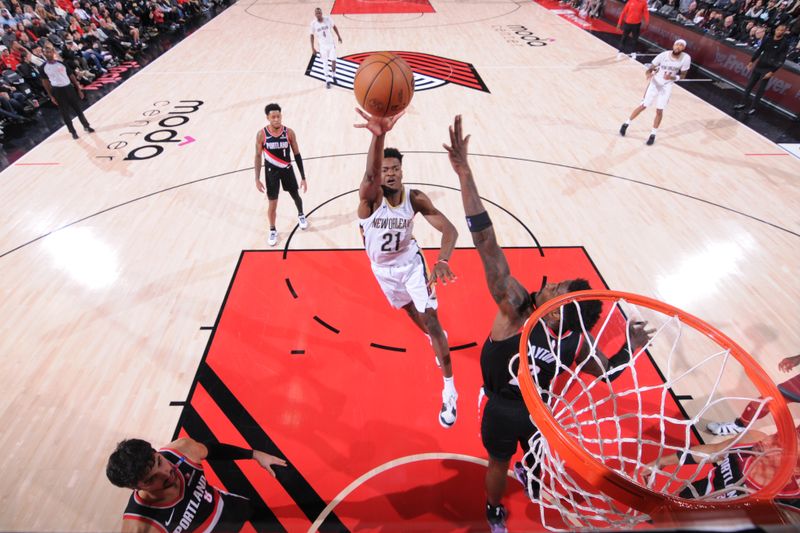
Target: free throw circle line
x=387 y=466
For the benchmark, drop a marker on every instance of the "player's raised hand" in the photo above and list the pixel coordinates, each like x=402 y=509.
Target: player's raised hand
x=441 y=272
x=377 y=125
x=459 y=146
x=789 y=363
x=639 y=334
x=267 y=461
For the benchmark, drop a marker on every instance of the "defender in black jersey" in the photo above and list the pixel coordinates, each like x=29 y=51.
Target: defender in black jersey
x=738 y=472
x=170 y=489
x=273 y=143
x=505 y=419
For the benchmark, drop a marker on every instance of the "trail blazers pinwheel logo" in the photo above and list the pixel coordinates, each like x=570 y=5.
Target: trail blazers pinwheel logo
x=430 y=71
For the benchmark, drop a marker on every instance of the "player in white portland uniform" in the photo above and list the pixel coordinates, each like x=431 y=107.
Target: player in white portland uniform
x=386 y=212
x=323 y=28
x=667 y=68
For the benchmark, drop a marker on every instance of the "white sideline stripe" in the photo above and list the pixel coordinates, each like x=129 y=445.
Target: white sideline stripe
x=792 y=148
x=388 y=466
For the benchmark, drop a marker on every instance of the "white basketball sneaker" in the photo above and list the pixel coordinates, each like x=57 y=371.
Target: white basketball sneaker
x=301 y=219
x=724 y=429
x=273 y=237
x=447 y=416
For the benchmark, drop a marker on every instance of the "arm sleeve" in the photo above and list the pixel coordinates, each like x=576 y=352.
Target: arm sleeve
x=217 y=450
x=622 y=357
x=299 y=160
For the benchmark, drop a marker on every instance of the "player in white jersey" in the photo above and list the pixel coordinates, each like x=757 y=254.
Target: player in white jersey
x=386 y=212
x=667 y=68
x=323 y=27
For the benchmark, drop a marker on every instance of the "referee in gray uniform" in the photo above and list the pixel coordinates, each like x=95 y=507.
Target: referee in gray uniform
x=64 y=90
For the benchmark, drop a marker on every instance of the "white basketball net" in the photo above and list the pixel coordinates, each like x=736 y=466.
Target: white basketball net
x=635 y=419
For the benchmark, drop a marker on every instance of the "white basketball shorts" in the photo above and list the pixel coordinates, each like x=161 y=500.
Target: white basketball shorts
x=327 y=52
x=657 y=94
x=407 y=283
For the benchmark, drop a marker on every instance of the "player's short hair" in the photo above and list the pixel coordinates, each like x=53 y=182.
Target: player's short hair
x=130 y=462
x=392 y=152
x=272 y=107
x=590 y=309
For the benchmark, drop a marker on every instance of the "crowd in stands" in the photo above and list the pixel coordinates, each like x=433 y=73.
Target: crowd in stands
x=744 y=22
x=90 y=36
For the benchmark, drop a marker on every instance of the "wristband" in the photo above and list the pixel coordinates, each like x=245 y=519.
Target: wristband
x=478 y=222
x=442 y=261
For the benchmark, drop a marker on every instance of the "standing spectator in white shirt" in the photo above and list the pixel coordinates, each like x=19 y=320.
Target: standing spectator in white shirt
x=323 y=27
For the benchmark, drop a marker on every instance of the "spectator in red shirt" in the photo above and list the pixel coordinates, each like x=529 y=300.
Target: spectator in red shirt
x=66 y=5
x=16 y=53
x=630 y=21
x=7 y=59
x=75 y=27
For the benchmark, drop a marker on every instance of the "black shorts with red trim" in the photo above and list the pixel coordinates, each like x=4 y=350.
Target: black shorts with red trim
x=505 y=423
x=236 y=511
x=277 y=177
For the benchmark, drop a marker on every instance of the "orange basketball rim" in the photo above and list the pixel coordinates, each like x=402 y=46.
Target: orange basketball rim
x=658 y=505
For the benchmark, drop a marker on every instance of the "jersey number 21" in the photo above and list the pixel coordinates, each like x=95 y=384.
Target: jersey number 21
x=387 y=242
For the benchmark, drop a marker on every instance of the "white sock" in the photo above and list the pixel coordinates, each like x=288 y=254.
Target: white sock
x=628 y=122
x=653 y=132
x=449 y=385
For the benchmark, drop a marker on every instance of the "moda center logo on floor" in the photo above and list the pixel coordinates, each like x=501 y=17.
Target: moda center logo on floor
x=430 y=71
x=519 y=35
x=161 y=125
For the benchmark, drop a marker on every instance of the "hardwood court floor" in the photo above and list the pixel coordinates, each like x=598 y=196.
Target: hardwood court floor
x=111 y=267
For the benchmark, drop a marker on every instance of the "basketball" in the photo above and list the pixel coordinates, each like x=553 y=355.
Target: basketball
x=384 y=84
